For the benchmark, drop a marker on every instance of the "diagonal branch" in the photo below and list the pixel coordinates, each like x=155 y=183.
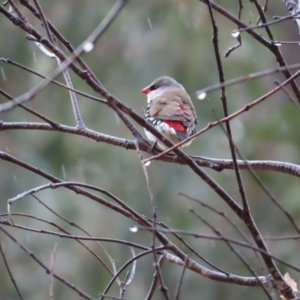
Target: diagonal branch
x=273 y=48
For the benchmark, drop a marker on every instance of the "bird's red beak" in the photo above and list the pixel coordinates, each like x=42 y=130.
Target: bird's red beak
x=146 y=90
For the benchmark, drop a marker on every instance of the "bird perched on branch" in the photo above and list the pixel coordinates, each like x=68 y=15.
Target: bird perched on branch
x=170 y=110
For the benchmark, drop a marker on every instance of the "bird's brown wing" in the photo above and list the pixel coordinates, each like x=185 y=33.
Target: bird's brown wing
x=174 y=105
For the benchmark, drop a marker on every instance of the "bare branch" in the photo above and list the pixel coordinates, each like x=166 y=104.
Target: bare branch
x=43 y=266
x=9 y=272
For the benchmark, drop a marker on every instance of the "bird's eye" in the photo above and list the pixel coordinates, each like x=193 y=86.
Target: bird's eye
x=155 y=86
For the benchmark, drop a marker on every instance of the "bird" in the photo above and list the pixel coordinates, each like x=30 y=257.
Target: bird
x=170 y=110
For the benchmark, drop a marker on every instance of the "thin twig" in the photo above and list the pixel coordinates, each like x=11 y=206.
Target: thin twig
x=125 y=266
x=225 y=110
x=163 y=288
x=80 y=292
x=33 y=112
x=67 y=61
x=11 y=62
x=179 y=284
x=180 y=262
x=155 y=280
x=85 y=246
x=244 y=78
x=239 y=38
x=9 y=272
x=243 y=260
x=289 y=95
x=44 y=21
x=274 y=49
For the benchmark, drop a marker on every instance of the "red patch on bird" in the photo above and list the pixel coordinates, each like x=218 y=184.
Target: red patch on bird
x=181 y=110
x=176 y=125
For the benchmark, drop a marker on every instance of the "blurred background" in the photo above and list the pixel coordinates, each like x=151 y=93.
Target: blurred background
x=147 y=40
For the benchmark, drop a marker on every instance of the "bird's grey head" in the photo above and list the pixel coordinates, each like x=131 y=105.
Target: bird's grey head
x=159 y=86
x=166 y=82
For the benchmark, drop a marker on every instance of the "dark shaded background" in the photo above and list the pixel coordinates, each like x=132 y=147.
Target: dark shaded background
x=149 y=39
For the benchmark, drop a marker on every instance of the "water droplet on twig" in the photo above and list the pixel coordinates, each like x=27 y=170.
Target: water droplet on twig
x=133 y=228
x=147 y=163
x=202 y=96
x=88 y=47
x=235 y=33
